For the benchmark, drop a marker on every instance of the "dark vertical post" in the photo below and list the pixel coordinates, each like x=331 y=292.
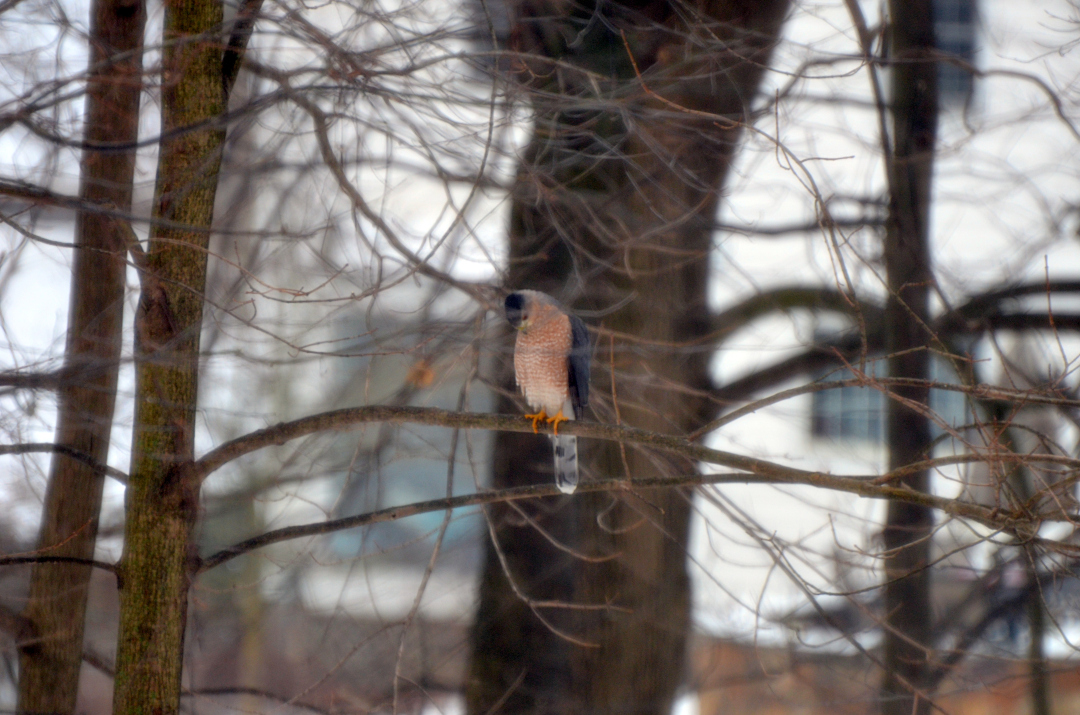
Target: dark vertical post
x=908 y=528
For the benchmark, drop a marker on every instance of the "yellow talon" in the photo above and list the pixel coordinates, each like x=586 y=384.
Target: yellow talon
x=554 y=421
x=541 y=415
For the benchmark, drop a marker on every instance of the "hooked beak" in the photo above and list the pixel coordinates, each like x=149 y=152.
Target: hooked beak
x=514 y=317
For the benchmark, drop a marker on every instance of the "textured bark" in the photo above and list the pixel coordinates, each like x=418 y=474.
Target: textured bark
x=614 y=204
x=49 y=663
x=908 y=613
x=161 y=502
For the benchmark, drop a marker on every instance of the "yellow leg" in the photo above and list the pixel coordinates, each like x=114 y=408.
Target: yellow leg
x=541 y=415
x=554 y=421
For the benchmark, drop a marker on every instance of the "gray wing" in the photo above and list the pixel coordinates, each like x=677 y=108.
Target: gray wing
x=578 y=365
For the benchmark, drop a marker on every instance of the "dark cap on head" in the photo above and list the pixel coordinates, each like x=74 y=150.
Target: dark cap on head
x=515 y=308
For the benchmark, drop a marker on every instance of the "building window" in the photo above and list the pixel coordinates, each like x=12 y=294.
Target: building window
x=851 y=413
x=857 y=413
x=954 y=34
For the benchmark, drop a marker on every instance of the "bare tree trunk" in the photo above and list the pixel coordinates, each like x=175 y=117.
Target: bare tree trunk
x=161 y=504
x=617 y=204
x=1037 y=666
x=49 y=664
x=1022 y=481
x=908 y=527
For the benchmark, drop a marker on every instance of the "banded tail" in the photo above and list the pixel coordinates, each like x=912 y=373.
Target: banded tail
x=566 y=462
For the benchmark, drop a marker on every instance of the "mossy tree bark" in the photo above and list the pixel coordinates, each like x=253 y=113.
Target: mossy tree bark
x=49 y=662
x=158 y=559
x=907 y=535
x=614 y=205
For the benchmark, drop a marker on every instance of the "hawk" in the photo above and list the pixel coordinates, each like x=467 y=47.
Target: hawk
x=551 y=364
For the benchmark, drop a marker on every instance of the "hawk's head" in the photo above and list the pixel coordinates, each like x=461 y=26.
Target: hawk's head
x=516 y=310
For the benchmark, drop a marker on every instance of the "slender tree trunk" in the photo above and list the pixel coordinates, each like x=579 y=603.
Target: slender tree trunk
x=1038 y=671
x=908 y=527
x=161 y=506
x=1021 y=481
x=49 y=664
x=615 y=206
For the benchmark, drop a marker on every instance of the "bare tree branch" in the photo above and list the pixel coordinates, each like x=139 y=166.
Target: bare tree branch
x=15 y=560
x=53 y=448
x=865 y=486
x=243 y=26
